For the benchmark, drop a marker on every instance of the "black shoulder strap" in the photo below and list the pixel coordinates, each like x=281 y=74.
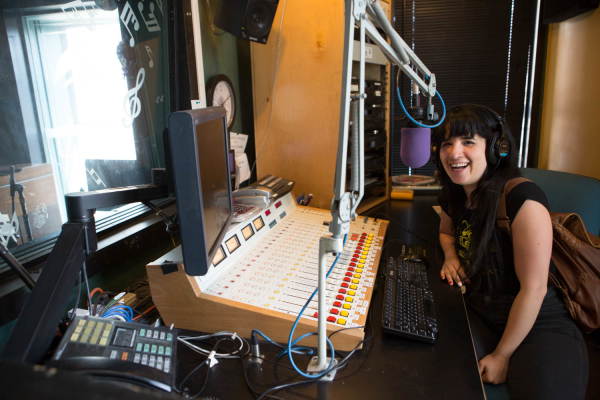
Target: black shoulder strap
x=501 y=216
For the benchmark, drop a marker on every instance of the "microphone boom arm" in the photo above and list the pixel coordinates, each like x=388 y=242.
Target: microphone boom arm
x=344 y=203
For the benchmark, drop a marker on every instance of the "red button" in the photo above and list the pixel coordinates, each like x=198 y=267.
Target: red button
x=330 y=319
x=344 y=284
x=346 y=279
x=342 y=291
x=361 y=241
x=350 y=269
x=337 y=304
x=353 y=264
x=334 y=311
x=339 y=297
x=358 y=247
x=316 y=315
x=348 y=274
x=354 y=260
x=268 y=212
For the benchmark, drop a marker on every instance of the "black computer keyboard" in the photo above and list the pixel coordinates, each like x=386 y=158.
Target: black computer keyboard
x=408 y=308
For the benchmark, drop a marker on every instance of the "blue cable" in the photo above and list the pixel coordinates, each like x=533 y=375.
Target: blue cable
x=418 y=123
x=297 y=350
x=117 y=313
x=291 y=343
x=123 y=307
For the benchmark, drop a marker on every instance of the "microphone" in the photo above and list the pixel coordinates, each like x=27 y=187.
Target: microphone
x=415 y=146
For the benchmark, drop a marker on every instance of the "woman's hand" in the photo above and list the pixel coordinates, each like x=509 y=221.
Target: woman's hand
x=493 y=368
x=453 y=271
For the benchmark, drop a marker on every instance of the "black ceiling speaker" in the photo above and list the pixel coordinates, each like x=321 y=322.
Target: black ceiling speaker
x=247 y=19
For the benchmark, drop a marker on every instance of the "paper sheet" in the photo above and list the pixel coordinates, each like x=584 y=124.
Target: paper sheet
x=238 y=142
x=196 y=104
x=242 y=161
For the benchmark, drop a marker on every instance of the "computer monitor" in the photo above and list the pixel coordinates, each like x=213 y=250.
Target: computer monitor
x=200 y=168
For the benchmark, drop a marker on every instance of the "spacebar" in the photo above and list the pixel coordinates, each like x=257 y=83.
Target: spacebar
x=429 y=310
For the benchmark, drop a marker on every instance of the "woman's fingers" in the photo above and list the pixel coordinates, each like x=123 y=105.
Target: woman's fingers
x=453 y=272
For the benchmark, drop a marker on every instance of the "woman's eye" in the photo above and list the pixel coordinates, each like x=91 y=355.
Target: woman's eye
x=445 y=144
x=469 y=142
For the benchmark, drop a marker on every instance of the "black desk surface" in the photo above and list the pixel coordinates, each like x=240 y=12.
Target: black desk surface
x=387 y=366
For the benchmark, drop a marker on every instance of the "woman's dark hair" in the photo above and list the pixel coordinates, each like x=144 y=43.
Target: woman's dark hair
x=468 y=120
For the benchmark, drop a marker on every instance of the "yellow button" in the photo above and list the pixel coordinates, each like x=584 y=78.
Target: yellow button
x=370 y=235
x=353 y=287
x=266 y=305
x=94 y=340
x=367 y=247
x=355 y=280
x=346 y=306
x=357 y=276
x=81 y=322
x=361 y=261
x=344 y=313
x=368 y=242
x=363 y=257
x=349 y=299
x=74 y=337
x=78 y=329
x=84 y=338
x=359 y=270
x=105 y=334
x=351 y=292
x=341 y=321
x=103 y=341
x=365 y=252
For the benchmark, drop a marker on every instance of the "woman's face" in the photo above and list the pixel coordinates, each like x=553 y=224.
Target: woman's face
x=464 y=159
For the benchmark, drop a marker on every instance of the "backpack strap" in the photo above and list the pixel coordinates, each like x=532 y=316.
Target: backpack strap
x=502 y=219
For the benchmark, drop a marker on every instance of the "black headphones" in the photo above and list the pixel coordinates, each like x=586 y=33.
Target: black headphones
x=498 y=147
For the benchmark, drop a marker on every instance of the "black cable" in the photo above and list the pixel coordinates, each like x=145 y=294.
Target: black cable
x=87 y=286
x=252 y=391
x=77 y=299
x=340 y=365
x=426 y=240
x=205 y=362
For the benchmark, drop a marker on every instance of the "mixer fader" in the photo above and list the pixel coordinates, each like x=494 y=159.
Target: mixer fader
x=265 y=272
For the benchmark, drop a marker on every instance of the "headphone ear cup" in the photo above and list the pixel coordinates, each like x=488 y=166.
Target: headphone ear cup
x=492 y=154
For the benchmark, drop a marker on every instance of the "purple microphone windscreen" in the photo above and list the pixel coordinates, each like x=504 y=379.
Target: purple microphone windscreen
x=415 y=146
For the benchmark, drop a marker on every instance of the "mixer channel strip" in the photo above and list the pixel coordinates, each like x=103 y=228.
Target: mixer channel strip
x=281 y=272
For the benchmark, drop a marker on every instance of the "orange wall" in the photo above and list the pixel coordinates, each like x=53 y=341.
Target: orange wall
x=570 y=137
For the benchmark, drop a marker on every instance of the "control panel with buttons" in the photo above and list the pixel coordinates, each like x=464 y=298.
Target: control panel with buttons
x=125 y=350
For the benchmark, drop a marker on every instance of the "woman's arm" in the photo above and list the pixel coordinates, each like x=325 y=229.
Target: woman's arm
x=451 y=268
x=532 y=248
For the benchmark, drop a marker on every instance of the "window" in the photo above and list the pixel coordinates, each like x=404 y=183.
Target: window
x=84 y=103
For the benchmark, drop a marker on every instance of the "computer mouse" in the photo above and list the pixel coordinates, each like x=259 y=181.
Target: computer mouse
x=416 y=257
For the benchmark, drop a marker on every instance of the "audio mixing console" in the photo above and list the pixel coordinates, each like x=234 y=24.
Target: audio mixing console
x=265 y=271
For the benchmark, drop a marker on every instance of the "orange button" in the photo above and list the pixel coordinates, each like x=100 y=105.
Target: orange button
x=124 y=356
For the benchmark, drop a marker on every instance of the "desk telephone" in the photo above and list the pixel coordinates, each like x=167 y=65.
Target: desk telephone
x=251 y=200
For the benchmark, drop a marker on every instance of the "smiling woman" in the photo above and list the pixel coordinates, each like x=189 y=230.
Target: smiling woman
x=520 y=328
